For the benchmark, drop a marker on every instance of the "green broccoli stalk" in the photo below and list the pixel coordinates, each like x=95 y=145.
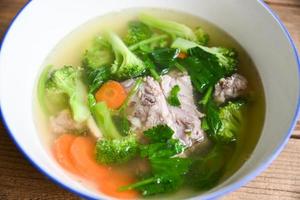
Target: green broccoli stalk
x=126 y=64
x=151 y=43
x=67 y=80
x=113 y=148
x=175 y=29
x=227 y=58
x=98 y=55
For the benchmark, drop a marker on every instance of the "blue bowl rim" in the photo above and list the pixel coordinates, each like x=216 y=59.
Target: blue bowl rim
x=219 y=193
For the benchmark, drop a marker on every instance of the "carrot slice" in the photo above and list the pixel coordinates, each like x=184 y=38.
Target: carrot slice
x=114 y=181
x=83 y=156
x=61 y=149
x=112 y=93
x=108 y=181
x=182 y=55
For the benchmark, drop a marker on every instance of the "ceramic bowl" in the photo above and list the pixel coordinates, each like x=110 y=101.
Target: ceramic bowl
x=41 y=24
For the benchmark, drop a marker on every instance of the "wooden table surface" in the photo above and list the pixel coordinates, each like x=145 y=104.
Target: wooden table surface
x=19 y=180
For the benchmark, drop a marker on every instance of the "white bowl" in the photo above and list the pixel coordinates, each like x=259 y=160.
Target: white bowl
x=43 y=23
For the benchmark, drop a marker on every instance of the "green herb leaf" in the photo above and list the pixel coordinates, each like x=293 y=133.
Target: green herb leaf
x=206 y=171
x=160 y=133
x=173 y=99
x=96 y=77
x=167 y=170
x=167 y=176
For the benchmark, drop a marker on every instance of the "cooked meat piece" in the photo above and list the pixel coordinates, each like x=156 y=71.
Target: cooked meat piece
x=186 y=117
x=229 y=88
x=149 y=108
x=64 y=123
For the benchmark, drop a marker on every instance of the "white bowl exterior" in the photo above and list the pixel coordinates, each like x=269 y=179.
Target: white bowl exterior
x=42 y=24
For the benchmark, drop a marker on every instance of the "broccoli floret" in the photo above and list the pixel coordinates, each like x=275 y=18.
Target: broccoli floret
x=202 y=36
x=126 y=64
x=113 y=148
x=227 y=58
x=116 y=151
x=231 y=117
x=175 y=29
x=67 y=80
x=50 y=99
x=98 y=55
x=137 y=31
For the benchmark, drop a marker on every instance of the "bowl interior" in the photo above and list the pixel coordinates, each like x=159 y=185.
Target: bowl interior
x=36 y=31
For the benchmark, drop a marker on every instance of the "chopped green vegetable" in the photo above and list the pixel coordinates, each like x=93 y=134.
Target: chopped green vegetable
x=167 y=170
x=120 y=119
x=67 y=80
x=113 y=148
x=184 y=45
x=206 y=171
x=202 y=36
x=212 y=119
x=98 y=55
x=164 y=59
x=162 y=149
x=204 y=68
x=227 y=58
x=207 y=96
x=116 y=151
x=137 y=32
x=151 y=68
x=126 y=64
x=104 y=121
x=167 y=176
x=173 y=28
x=148 y=45
x=160 y=61
x=131 y=93
x=122 y=123
x=231 y=117
x=96 y=77
x=173 y=99
x=159 y=133
x=223 y=124
x=51 y=100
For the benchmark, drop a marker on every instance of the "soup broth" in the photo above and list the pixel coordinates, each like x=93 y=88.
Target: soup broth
x=70 y=49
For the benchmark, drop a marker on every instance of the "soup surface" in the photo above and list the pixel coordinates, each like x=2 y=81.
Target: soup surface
x=170 y=114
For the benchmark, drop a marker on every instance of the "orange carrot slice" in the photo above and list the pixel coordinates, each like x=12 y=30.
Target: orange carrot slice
x=114 y=181
x=112 y=93
x=83 y=156
x=61 y=151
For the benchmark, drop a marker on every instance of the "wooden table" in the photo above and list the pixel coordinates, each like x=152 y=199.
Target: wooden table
x=19 y=180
